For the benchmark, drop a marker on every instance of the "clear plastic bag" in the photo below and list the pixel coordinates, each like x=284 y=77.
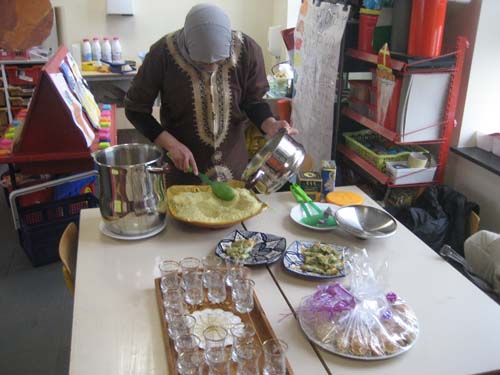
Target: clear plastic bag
x=360 y=320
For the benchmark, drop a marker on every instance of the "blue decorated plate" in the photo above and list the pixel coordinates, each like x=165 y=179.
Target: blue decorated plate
x=293 y=259
x=267 y=248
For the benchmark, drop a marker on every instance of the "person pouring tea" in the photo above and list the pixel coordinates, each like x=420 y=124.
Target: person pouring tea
x=210 y=79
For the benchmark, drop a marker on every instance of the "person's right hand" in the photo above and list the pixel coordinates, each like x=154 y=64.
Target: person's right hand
x=181 y=156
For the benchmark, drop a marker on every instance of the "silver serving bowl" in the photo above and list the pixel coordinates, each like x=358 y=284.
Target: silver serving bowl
x=365 y=221
x=274 y=164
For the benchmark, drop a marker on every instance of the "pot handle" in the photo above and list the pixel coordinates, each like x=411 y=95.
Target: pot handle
x=165 y=168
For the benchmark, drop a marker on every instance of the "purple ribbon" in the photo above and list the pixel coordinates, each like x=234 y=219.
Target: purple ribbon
x=330 y=299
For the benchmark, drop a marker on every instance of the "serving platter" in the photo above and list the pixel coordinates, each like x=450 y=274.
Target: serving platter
x=175 y=190
x=330 y=347
x=267 y=248
x=293 y=259
x=257 y=318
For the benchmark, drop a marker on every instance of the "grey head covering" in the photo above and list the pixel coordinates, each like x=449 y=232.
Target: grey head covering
x=206 y=36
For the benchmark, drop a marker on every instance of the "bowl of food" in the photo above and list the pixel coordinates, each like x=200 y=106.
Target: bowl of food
x=365 y=221
x=198 y=206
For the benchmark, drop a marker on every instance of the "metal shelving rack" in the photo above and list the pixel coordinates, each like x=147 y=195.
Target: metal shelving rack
x=447 y=125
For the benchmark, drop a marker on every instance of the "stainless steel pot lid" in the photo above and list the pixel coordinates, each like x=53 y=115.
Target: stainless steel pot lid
x=365 y=221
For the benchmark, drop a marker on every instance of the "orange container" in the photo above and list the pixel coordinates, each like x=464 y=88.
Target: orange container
x=285 y=109
x=367 y=21
x=426 y=27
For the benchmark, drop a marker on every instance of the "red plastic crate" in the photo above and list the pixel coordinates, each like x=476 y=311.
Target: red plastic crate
x=23 y=75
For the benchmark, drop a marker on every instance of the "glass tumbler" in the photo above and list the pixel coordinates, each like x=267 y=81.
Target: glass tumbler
x=170 y=282
x=210 y=263
x=215 y=338
x=235 y=270
x=193 y=288
x=243 y=336
x=168 y=271
x=248 y=359
x=216 y=286
x=181 y=325
x=242 y=294
x=274 y=357
x=183 y=343
x=218 y=361
x=190 y=362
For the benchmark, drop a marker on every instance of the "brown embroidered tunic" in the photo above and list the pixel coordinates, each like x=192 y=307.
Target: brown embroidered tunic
x=206 y=112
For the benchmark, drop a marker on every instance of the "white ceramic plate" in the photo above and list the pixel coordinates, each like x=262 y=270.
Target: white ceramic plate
x=297 y=214
x=108 y=233
x=214 y=317
x=267 y=249
x=293 y=260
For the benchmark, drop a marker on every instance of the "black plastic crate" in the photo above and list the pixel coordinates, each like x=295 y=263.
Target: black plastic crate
x=42 y=225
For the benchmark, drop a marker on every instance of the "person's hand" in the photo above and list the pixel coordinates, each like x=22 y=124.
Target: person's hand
x=181 y=156
x=271 y=126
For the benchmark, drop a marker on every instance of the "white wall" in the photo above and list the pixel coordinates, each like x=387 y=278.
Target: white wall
x=155 y=18
x=480 y=96
x=478 y=185
x=478 y=101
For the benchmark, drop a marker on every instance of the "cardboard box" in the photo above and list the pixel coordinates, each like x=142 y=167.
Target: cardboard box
x=403 y=176
x=328 y=174
x=312 y=183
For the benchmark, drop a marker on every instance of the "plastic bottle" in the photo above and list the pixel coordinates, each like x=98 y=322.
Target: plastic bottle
x=116 y=49
x=96 y=49
x=86 y=51
x=106 y=50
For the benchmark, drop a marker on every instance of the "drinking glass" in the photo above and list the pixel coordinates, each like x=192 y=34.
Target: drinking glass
x=210 y=263
x=242 y=294
x=172 y=281
x=168 y=271
x=181 y=325
x=243 y=336
x=235 y=270
x=248 y=359
x=183 y=343
x=190 y=362
x=188 y=265
x=274 y=357
x=193 y=288
x=216 y=286
x=215 y=338
x=218 y=361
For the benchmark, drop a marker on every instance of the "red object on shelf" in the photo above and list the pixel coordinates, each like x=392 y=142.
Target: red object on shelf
x=50 y=140
x=426 y=27
x=16 y=54
x=367 y=21
x=285 y=109
x=23 y=75
x=391 y=118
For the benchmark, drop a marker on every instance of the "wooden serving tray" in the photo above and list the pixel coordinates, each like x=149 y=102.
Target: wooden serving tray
x=257 y=318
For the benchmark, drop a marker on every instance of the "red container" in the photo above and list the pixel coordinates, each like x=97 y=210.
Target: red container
x=426 y=27
x=21 y=75
x=367 y=21
x=285 y=109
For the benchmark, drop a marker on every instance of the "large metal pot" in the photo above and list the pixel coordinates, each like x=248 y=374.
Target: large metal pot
x=131 y=188
x=274 y=164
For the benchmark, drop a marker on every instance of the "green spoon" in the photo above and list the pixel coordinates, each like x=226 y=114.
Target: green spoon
x=220 y=189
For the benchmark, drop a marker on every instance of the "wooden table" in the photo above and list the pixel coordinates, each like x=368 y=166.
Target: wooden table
x=116 y=328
